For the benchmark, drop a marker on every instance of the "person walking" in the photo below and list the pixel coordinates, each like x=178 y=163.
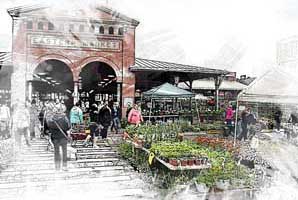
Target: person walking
x=116 y=117
x=76 y=115
x=21 y=122
x=135 y=116
x=5 y=121
x=277 y=118
x=105 y=119
x=244 y=123
x=93 y=126
x=59 y=126
x=229 y=117
x=33 y=118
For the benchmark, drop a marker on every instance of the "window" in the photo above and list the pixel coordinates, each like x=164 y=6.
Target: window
x=101 y=30
x=120 y=31
x=40 y=26
x=50 y=26
x=71 y=27
x=111 y=30
x=81 y=28
x=29 y=24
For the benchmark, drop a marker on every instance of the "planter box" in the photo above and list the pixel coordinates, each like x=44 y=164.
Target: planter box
x=213 y=131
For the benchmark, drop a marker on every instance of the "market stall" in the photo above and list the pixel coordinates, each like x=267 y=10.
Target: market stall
x=164 y=102
x=276 y=89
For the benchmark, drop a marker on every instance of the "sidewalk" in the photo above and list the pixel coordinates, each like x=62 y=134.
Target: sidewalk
x=97 y=173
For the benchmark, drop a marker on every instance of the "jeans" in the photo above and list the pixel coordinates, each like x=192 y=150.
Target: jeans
x=116 y=124
x=57 y=157
x=244 y=131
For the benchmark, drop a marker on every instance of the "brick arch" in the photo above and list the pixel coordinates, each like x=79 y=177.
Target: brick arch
x=57 y=57
x=88 y=60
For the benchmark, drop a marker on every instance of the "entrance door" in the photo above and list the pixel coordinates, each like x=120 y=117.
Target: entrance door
x=52 y=80
x=97 y=84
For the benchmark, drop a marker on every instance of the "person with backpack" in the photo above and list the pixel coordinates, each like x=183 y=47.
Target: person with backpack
x=59 y=126
x=76 y=115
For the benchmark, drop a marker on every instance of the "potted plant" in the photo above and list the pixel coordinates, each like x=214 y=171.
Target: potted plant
x=183 y=162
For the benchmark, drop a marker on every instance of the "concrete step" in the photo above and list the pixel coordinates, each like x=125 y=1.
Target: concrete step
x=97 y=152
x=56 y=179
x=82 y=150
x=47 y=175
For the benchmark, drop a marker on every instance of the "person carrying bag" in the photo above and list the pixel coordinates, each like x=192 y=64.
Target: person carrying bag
x=59 y=125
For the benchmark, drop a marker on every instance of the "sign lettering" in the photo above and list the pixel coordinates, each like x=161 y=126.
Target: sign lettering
x=53 y=41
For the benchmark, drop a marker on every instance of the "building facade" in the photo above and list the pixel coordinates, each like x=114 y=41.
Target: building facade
x=47 y=40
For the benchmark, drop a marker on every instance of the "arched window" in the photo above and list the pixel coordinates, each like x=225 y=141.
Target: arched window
x=29 y=24
x=81 y=28
x=40 y=26
x=50 y=26
x=111 y=30
x=101 y=30
x=120 y=31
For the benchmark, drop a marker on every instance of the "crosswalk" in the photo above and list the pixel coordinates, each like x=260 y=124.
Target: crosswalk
x=94 y=173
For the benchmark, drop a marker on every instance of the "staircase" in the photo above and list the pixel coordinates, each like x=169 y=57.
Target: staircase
x=96 y=173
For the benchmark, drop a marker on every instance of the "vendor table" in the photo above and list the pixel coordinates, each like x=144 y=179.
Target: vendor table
x=169 y=166
x=163 y=117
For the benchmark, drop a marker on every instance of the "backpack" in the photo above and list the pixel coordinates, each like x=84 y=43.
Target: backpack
x=60 y=119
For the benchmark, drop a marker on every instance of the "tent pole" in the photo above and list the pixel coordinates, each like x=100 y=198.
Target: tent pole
x=150 y=109
x=236 y=120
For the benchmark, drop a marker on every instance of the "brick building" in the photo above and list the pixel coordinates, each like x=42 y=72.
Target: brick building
x=84 y=54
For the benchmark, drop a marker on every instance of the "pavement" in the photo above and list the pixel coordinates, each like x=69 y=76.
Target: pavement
x=92 y=173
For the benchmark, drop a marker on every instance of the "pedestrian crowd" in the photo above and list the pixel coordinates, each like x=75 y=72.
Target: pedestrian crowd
x=53 y=121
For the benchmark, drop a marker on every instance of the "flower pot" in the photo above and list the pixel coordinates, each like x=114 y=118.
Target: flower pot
x=183 y=162
x=191 y=162
x=173 y=162
x=198 y=161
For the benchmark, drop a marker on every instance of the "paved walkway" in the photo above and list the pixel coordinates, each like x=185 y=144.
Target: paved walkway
x=95 y=174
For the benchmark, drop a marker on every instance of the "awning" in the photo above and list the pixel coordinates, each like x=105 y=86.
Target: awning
x=275 y=86
x=167 y=90
x=5 y=58
x=209 y=85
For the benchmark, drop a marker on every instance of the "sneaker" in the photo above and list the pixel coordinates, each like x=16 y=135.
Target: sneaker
x=95 y=146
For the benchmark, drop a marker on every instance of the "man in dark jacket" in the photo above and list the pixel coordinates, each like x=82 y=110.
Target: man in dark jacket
x=58 y=126
x=105 y=119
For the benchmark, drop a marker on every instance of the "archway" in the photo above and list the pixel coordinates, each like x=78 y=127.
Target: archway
x=98 y=83
x=52 y=79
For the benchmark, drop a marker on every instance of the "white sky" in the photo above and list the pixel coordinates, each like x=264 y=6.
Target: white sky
x=238 y=35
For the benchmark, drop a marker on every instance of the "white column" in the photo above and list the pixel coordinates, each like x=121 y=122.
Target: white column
x=118 y=92
x=30 y=91
x=75 y=93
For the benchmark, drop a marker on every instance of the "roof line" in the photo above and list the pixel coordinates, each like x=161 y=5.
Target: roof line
x=172 y=63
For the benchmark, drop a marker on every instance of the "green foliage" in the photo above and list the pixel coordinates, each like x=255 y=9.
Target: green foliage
x=125 y=150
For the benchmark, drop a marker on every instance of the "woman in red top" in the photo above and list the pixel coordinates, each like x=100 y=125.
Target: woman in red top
x=135 y=115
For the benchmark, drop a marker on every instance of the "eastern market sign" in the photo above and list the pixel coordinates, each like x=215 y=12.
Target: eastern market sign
x=63 y=42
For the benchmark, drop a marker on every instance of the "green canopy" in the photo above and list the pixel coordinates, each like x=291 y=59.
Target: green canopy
x=167 y=90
